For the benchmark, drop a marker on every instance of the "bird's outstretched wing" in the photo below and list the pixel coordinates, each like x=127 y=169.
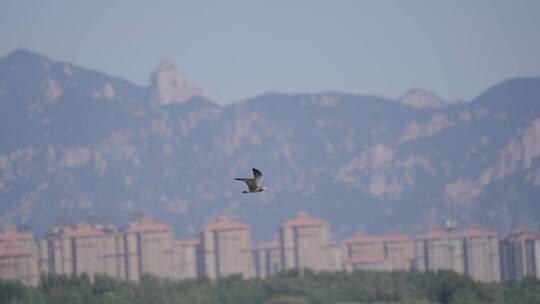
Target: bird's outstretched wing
x=257 y=176
x=250 y=182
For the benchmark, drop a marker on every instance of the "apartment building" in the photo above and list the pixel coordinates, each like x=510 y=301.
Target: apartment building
x=185 y=259
x=392 y=251
x=226 y=249
x=481 y=251
x=306 y=242
x=267 y=258
x=473 y=252
x=83 y=248
x=142 y=247
x=437 y=249
x=148 y=248
x=520 y=255
x=18 y=256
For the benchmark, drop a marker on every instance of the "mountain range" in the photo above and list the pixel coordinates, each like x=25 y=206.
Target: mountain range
x=77 y=143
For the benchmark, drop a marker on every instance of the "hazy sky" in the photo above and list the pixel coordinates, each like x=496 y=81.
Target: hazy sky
x=238 y=49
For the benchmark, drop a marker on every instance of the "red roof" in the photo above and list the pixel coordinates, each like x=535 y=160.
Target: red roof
x=83 y=230
x=303 y=219
x=522 y=233
x=225 y=223
x=147 y=225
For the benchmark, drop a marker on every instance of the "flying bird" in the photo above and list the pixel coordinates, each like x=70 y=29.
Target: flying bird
x=253 y=184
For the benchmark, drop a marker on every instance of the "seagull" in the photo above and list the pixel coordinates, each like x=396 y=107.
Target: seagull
x=253 y=183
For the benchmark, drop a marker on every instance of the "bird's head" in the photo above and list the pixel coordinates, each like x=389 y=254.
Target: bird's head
x=264 y=188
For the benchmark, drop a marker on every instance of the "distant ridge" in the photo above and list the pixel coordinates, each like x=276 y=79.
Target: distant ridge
x=522 y=88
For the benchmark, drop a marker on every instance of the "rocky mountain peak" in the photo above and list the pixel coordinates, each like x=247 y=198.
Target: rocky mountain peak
x=170 y=85
x=420 y=98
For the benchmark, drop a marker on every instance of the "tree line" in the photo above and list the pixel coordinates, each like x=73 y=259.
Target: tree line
x=290 y=287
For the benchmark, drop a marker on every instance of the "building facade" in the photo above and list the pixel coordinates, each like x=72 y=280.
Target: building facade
x=142 y=247
x=267 y=258
x=83 y=248
x=226 y=249
x=18 y=256
x=185 y=259
x=148 y=248
x=482 y=261
x=392 y=251
x=520 y=255
x=306 y=242
x=473 y=252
